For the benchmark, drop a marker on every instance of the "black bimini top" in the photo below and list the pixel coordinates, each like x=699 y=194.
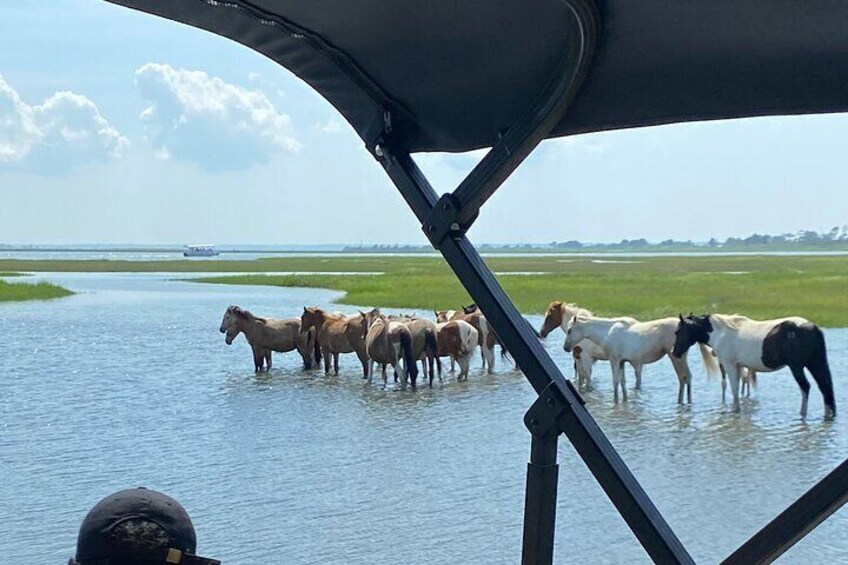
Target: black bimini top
x=452 y=75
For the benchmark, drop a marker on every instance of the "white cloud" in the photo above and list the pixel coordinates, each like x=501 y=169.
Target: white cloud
x=219 y=126
x=65 y=131
x=333 y=125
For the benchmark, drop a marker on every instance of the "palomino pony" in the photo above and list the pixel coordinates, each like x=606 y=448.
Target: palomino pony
x=337 y=334
x=457 y=340
x=388 y=342
x=625 y=340
x=268 y=334
x=586 y=352
x=762 y=346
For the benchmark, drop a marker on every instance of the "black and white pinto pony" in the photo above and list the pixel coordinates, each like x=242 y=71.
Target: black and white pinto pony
x=762 y=346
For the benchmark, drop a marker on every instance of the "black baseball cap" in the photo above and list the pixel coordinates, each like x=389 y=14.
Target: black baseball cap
x=103 y=537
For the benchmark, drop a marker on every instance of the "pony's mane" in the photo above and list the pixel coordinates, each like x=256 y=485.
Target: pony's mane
x=733 y=321
x=247 y=315
x=569 y=309
x=582 y=312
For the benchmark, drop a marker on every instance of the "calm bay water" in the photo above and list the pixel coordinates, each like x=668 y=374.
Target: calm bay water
x=129 y=383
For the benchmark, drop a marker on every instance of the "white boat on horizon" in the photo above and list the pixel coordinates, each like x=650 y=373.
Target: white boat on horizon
x=200 y=251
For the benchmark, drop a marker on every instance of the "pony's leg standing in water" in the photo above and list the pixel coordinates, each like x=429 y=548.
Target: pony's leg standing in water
x=684 y=378
x=733 y=377
x=804 y=384
x=617 y=368
x=637 y=369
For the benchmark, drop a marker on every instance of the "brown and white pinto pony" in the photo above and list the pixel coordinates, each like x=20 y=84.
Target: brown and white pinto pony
x=389 y=342
x=485 y=335
x=456 y=339
x=762 y=346
x=336 y=334
x=585 y=353
x=266 y=335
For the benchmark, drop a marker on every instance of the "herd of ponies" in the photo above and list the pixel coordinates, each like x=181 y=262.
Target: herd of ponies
x=735 y=345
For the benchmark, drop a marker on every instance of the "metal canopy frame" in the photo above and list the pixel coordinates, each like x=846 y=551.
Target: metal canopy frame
x=559 y=408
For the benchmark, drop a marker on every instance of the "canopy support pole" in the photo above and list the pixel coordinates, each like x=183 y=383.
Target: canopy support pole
x=540 y=499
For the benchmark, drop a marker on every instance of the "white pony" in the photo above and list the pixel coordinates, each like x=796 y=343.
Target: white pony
x=584 y=353
x=762 y=346
x=625 y=340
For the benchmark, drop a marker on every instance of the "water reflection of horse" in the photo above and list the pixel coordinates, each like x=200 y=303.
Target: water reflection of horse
x=269 y=334
x=762 y=346
x=337 y=334
x=626 y=340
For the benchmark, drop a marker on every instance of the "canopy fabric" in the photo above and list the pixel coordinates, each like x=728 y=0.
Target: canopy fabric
x=456 y=73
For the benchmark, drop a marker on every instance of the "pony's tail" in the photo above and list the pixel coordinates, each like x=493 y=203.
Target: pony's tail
x=710 y=361
x=504 y=351
x=431 y=346
x=406 y=350
x=470 y=342
x=316 y=347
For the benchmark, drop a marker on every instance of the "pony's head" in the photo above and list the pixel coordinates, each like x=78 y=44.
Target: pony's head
x=553 y=318
x=373 y=317
x=470 y=309
x=574 y=333
x=230 y=316
x=442 y=316
x=312 y=317
x=691 y=330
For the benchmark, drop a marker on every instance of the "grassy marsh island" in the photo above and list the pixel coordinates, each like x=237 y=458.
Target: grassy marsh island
x=16 y=291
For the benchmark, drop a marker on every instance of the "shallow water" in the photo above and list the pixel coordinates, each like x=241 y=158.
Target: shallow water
x=129 y=383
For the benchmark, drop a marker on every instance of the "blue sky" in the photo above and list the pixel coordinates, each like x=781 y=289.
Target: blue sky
x=116 y=126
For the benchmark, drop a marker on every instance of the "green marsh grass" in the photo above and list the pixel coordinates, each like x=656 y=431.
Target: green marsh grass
x=761 y=287
x=28 y=291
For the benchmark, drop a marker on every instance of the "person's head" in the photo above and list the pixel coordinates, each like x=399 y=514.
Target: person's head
x=138 y=527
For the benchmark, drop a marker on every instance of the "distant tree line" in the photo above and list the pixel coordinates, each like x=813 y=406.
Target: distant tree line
x=836 y=236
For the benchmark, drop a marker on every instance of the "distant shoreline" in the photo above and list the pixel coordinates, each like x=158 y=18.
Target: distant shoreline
x=731 y=246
